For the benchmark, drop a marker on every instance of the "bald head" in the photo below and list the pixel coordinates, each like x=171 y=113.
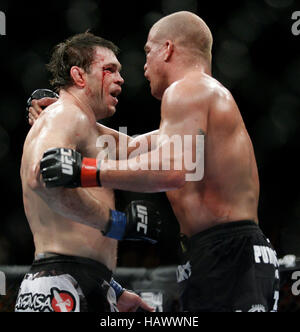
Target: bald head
x=187 y=31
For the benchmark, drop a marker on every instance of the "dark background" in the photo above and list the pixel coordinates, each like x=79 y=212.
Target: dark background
x=255 y=55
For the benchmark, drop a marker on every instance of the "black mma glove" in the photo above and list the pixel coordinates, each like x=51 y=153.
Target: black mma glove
x=141 y=221
x=62 y=167
x=39 y=94
x=67 y=168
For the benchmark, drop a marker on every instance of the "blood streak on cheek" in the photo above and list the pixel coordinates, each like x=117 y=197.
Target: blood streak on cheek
x=106 y=73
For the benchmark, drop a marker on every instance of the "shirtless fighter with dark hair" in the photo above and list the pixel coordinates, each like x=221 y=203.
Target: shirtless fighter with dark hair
x=74 y=261
x=227 y=262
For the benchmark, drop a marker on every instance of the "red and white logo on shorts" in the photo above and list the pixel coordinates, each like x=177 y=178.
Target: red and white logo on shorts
x=62 y=301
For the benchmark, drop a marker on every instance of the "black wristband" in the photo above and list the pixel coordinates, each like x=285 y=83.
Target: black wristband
x=98 y=173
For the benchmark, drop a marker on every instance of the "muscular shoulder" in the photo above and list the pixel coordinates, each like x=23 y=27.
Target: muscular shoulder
x=224 y=112
x=219 y=101
x=68 y=116
x=197 y=88
x=199 y=95
x=186 y=103
x=194 y=91
x=63 y=125
x=69 y=121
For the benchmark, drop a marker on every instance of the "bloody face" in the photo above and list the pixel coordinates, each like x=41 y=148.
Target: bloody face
x=104 y=82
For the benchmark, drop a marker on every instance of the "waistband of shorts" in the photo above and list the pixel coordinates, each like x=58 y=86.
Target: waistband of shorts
x=66 y=262
x=226 y=230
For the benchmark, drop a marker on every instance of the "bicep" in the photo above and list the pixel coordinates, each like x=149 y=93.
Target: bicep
x=184 y=122
x=120 y=146
x=184 y=111
x=183 y=131
x=143 y=143
x=49 y=134
x=70 y=129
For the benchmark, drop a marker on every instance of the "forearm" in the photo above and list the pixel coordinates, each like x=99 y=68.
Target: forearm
x=141 y=181
x=155 y=171
x=78 y=205
x=145 y=173
x=81 y=206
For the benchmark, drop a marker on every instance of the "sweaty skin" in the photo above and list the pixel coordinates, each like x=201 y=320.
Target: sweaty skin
x=178 y=67
x=69 y=221
x=229 y=189
x=52 y=231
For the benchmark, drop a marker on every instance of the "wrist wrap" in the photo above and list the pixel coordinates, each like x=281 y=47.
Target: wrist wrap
x=90 y=173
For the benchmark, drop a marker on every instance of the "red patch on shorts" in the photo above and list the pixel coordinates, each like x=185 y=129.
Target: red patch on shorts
x=62 y=301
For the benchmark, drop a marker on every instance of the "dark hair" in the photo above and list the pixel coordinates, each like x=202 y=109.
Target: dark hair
x=75 y=51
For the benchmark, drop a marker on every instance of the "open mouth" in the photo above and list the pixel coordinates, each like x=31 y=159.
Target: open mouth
x=116 y=92
x=114 y=95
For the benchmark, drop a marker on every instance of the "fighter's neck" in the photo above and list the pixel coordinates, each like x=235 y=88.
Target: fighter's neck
x=183 y=71
x=79 y=101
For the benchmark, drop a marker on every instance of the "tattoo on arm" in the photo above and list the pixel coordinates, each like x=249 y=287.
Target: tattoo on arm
x=201 y=132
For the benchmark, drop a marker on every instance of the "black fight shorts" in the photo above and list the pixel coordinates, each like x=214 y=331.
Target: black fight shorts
x=228 y=268
x=65 y=284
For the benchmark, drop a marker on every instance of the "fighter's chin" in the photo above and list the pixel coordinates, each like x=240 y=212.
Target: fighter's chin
x=111 y=110
x=156 y=90
x=156 y=94
x=106 y=112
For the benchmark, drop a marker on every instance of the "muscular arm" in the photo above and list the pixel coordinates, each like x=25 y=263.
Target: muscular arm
x=177 y=158
x=124 y=146
x=143 y=173
x=81 y=205
x=164 y=168
x=146 y=142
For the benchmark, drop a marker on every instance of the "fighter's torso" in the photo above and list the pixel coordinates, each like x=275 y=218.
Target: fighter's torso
x=51 y=231
x=229 y=190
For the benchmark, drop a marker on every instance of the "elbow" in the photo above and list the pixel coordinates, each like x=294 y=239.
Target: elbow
x=33 y=180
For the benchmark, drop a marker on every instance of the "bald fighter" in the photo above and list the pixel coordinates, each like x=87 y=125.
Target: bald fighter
x=227 y=262
x=74 y=261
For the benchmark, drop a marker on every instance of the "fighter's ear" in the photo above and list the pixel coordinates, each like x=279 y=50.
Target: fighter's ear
x=169 y=49
x=77 y=74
